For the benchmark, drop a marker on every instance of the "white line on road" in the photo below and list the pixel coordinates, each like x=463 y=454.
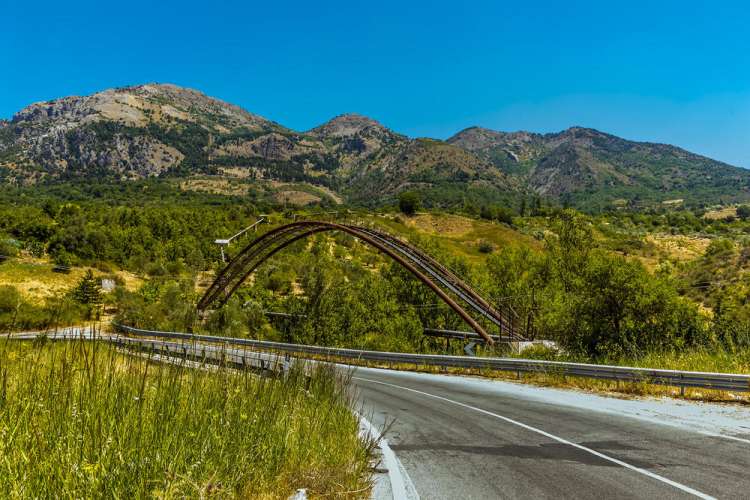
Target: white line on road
x=663 y=479
x=401 y=485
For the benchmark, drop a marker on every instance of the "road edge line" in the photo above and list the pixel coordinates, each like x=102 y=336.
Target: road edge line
x=401 y=484
x=675 y=484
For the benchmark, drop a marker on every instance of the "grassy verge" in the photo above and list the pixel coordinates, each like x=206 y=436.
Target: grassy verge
x=701 y=360
x=82 y=420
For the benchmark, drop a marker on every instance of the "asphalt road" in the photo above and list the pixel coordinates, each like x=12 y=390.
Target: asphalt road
x=459 y=440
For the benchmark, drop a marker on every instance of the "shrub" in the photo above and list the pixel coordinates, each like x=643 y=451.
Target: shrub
x=63 y=259
x=409 y=202
x=10 y=299
x=8 y=248
x=720 y=246
x=485 y=247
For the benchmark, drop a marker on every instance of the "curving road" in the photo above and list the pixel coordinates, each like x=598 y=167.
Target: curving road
x=463 y=437
x=466 y=438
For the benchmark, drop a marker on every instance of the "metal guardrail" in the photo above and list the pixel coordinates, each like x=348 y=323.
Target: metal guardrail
x=209 y=354
x=682 y=379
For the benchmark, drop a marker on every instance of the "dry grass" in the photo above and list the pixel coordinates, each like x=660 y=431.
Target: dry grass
x=238 y=172
x=451 y=226
x=459 y=235
x=721 y=213
x=297 y=198
x=679 y=247
x=36 y=280
x=215 y=186
x=324 y=191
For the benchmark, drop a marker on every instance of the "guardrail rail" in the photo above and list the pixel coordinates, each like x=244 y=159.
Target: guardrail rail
x=676 y=378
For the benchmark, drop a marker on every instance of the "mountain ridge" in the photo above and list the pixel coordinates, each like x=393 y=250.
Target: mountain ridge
x=162 y=129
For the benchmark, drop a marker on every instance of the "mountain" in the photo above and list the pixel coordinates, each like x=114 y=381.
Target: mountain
x=165 y=130
x=129 y=132
x=157 y=130
x=584 y=165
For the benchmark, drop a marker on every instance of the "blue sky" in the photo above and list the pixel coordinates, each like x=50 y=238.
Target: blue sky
x=675 y=72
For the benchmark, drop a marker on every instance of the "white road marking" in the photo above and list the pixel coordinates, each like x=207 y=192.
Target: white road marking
x=626 y=465
x=401 y=484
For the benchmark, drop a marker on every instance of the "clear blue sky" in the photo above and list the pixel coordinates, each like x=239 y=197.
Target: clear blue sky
x=676 y=72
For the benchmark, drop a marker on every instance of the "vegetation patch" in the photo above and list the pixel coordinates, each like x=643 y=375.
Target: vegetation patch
x=81 y=420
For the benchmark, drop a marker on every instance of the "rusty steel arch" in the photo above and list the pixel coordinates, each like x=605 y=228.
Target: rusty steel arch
x=434 y=275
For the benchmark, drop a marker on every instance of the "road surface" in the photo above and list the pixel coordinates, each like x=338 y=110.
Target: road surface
x=460 y=439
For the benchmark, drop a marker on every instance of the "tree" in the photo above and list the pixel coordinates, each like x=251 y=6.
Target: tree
x=408 y=202
x=743 y=212
x=88 y=292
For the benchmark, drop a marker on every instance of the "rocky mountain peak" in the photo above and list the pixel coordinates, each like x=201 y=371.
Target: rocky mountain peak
x=138 y=106
x=350 y=124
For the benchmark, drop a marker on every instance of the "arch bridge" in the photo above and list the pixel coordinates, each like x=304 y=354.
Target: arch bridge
x=453 y=290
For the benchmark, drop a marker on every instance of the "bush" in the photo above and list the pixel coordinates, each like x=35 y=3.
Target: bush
x=485 y=247
x=720 y=246
x=8 y=248
x=63 y=259
x=10 y=299
x=409 y=202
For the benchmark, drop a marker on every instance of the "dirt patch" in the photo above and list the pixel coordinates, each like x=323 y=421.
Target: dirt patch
x=298 y=198
x=322 y=189
x=674 y=202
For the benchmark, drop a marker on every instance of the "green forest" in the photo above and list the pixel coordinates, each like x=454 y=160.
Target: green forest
x=600 y=286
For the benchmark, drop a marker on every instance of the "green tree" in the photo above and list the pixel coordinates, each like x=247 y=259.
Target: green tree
x=743 y=212
x=409 y=202
x=89 y=293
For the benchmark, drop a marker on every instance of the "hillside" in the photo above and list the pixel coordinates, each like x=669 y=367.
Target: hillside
x=583 y=166
x=164 y=130
x=157 y=130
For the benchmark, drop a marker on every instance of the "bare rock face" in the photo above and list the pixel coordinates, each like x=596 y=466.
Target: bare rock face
x=129 y=132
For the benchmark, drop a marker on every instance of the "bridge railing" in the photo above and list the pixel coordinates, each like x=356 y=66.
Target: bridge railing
x=676 y=378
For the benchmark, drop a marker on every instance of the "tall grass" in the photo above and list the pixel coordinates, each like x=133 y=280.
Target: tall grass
x=83 y=420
